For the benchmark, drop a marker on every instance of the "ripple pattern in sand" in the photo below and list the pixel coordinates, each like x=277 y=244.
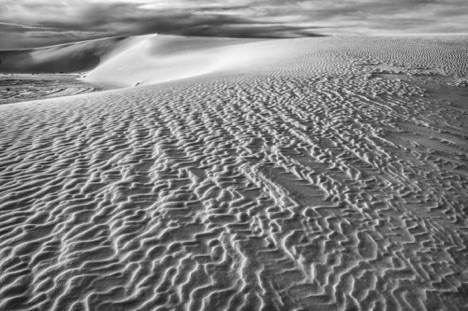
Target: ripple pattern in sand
x=263 y=192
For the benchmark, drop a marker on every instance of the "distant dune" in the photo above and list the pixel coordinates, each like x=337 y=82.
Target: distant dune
x=144 y=59
x=154 y=59
x=299 y=174
x=64 y=58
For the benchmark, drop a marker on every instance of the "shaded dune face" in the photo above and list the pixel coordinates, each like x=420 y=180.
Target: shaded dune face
x=334 y=177
x=65 y=58
x=125 y=61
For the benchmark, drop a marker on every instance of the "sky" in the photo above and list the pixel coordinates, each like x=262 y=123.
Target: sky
x=28 y=23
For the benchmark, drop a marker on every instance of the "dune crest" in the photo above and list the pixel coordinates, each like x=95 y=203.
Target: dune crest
x=143 y=60
x=156 y=58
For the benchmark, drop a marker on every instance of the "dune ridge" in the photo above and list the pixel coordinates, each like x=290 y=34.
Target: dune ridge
x=155 y=59
x=332 y=176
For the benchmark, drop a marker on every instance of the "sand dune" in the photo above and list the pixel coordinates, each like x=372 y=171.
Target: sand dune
x=66 y=58
x=331 y=174
x=155 y=59
x=139 y=60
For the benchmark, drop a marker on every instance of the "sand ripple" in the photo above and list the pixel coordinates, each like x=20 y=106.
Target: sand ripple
x=335 y=185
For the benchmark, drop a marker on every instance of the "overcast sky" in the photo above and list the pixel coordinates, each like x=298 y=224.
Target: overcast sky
x=40 y=22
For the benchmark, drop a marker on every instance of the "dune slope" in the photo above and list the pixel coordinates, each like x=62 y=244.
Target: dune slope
x=332 y=176
x=156 y=58
x=65 y=58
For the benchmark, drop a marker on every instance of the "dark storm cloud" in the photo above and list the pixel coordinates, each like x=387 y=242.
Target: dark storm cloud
x=203 y=20
x=240 y=18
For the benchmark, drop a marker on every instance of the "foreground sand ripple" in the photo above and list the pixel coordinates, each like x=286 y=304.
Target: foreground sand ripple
x=339 y=184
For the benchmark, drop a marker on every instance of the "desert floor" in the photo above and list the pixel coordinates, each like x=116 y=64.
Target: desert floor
x=16 y=88
x=295 y=174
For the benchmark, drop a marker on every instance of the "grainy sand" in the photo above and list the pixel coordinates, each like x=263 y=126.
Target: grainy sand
x=15 y=88
x=332 y=175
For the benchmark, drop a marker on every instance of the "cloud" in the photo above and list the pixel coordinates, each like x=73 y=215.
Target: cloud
x=234 y=18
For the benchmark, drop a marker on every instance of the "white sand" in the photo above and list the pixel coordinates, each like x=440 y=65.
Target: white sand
x=154 y=59
x=305 y=174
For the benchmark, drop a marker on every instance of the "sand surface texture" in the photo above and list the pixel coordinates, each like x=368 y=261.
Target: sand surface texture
x=15 y=88
x=313 y=174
